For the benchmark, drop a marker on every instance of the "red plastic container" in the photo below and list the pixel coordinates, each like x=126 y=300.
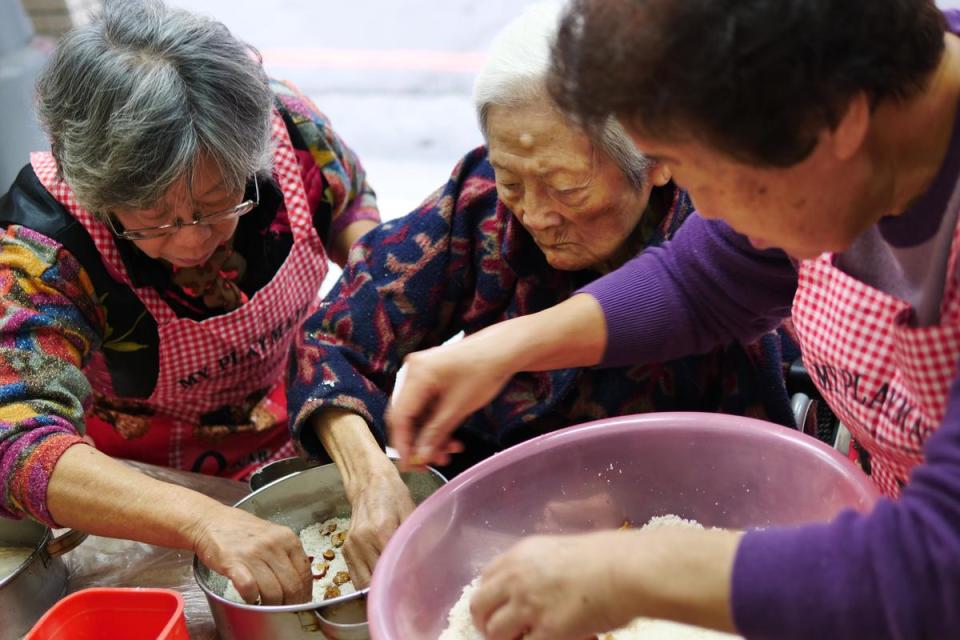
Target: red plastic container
x=118 y=614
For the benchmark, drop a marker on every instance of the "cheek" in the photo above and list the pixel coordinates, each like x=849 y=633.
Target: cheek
x=152 y=248
x=604 y=228
x=225 y=231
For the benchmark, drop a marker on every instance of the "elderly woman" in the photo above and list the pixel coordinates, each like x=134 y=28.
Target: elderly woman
x=155 y=268
x=544 y=209
x=852 y=169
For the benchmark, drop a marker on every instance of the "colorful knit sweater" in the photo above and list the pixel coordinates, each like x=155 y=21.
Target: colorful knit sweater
x=461 y=262
x=56 y=311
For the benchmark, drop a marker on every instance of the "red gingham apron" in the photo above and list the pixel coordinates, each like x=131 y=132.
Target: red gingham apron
x=886 y=380
x=220 y=361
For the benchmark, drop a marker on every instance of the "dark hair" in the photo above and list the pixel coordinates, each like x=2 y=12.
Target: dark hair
x=756 y=79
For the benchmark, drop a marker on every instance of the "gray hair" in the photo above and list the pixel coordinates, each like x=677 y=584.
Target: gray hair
x=515 y=74
x=133 y=100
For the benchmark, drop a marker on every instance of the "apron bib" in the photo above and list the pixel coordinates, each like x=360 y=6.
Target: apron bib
x=235 y=362
x=887 y=381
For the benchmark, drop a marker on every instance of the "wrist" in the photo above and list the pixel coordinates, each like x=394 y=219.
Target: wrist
x=347 y=439
x=680 y=574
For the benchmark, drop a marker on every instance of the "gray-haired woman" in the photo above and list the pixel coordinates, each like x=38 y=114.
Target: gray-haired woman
x=154 y=270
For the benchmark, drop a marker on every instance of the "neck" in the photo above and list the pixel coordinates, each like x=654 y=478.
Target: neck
x=911 y=138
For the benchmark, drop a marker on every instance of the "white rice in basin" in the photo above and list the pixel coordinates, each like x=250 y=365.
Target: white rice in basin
x=460 y=624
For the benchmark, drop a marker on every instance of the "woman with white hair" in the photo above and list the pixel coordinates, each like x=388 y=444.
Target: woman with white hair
x=543 y=209
x=155 y=268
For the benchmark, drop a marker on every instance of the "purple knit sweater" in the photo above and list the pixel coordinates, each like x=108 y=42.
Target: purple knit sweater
x=890 y=573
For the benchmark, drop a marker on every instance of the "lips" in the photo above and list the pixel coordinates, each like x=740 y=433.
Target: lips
x=193 y=262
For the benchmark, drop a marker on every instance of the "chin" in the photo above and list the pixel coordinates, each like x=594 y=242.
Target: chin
x=566 y=263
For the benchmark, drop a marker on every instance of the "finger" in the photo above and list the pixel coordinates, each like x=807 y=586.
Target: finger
x=295 y=589
x=401 y=432
x=435 y=434
x=507 y=622
x=271 y=592
x=405 y=405
x=293 y=573
x=360 y=561
x=486 y=600
x=245 y=583
x=444 y=456
x=440 y=460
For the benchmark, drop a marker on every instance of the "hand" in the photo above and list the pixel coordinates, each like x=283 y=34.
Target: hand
x=552 y=587
x=569 y=587
x=380 y=502
x=436 y=390
x=570 y=515
x=265 y=561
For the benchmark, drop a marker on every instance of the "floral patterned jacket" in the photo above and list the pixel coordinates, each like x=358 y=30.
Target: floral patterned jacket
x=460 y=262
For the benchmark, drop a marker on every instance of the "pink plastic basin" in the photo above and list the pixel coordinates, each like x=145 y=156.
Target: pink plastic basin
x=723 y=471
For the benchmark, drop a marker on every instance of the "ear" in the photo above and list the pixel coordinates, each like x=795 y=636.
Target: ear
x=849 y=135
x=659 y=174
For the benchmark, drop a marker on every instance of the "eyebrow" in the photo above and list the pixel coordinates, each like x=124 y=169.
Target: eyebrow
x=549 y=172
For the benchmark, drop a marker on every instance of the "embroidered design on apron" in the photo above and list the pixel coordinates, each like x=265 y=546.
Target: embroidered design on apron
x=231 y=361
x=886 y=380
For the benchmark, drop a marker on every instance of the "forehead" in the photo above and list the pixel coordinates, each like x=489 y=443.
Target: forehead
x=204 y=186
x=537 y=140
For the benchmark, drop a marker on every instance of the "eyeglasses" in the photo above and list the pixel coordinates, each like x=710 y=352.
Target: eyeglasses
x=145 y=233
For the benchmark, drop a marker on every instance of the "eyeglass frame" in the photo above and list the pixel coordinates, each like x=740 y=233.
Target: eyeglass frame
x=165 y=230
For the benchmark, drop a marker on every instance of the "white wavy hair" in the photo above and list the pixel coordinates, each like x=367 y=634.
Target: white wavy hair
x=515 y=74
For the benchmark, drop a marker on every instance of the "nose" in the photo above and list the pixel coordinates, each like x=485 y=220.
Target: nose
x=536 y=212
x=195 y=235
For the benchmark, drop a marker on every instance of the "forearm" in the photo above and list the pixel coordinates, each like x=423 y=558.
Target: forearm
x=571 y=334
x=891 y=573
x=348 y=441
x=94 y=493
x=679 y=574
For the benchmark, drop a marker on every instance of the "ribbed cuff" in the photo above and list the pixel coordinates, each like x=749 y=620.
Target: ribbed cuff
x=795 y=583
x=28 y=487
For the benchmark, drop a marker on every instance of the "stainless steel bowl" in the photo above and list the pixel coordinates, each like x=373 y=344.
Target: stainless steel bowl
x=39 y=581
x=308 y=495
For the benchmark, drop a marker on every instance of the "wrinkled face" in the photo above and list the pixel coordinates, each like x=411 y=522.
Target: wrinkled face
x=820 y=204
x=193 y=245
x=575 y=202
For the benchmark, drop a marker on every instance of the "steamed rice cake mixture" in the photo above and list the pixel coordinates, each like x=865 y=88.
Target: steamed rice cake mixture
x=323 y=544
x=460 y=624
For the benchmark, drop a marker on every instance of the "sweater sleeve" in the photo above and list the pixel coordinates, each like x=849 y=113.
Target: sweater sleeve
x=50 y=321
x=400 y=292
x=891 y=573
x=346 y=188
x=704 y=288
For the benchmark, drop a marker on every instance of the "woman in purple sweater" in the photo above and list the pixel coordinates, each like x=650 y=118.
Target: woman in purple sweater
x=823 y=129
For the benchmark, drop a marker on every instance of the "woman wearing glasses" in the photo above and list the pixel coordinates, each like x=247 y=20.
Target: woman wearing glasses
x=154 y=269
